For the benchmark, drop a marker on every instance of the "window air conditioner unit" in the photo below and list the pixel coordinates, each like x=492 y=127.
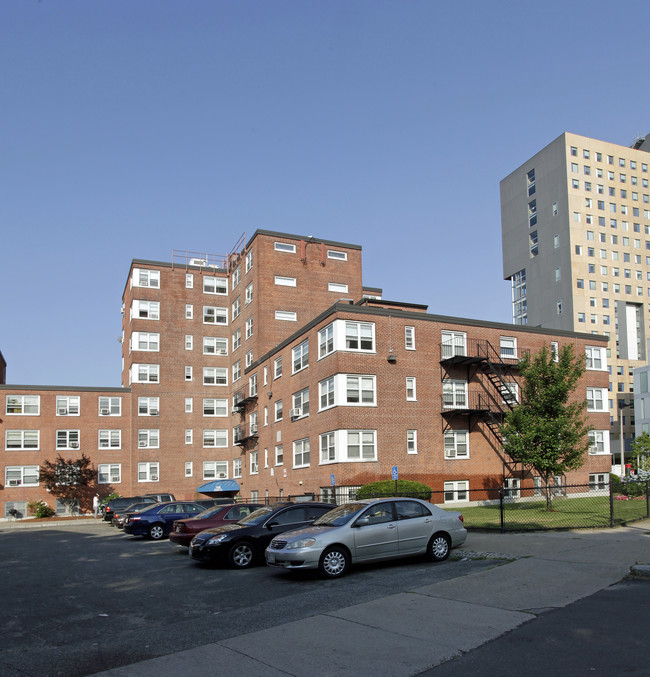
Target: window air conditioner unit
x=105 y=412
x=154 y=478
x=122 y=310
x=74 y=445
x=222 y=351
x=236 y=409
x=295 y=413
x=62 y=411
x=142 y=444
x=253 y=430
x=13 y=483
x=222 y=476
x=153 y=412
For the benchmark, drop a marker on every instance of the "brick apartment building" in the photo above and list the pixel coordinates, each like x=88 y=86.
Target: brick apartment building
x=274 y=372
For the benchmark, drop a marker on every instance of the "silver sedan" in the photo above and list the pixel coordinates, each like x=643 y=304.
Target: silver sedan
x=369 y=530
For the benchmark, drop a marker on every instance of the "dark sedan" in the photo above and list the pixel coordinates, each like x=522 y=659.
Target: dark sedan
x=241 y=545
x=120 y=515
x=156 y=522
x=184 y=531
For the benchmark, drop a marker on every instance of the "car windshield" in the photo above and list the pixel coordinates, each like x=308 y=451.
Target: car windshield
x=339 y=516
x=258 y=516
x=209 y=512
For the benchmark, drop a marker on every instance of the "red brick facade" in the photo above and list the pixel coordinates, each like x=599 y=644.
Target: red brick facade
x=174 y=418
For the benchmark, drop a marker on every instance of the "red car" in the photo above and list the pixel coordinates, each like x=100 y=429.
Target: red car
x=184 y=531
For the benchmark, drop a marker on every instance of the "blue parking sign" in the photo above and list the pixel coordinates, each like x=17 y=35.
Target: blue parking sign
x=332 y=482
x=394 y=472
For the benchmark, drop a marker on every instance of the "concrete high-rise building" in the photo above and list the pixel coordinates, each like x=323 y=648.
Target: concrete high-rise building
x=575 y=224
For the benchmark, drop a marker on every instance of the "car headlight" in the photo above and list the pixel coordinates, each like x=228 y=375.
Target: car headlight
x=301 y=543
x=215 y=540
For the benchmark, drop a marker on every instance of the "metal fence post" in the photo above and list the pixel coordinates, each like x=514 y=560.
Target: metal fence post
x=647 y=500
x=611 y=504
x=501 y=506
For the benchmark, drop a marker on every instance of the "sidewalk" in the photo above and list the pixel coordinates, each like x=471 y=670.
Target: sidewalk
x=405 y=634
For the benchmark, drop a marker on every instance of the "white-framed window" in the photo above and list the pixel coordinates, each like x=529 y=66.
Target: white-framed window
x=236 y=339
x=236 y=467
x=508 y=346
x=326 y=341
x=145 y=341
x=148 y=472
x=215 y=376
x=456 y=491
x=283 y=281
x=454 y=344
x=189 y=468
x=67 y=439
x=189 y=281
x=189 y=311
x=145 y=278
x=454 y=393
x=215 y=438
x=286 y=315
x=598 y=481
x=21 y=475
x=188 y=373
x=215 y=345
x=300 y=356
x=360 y=390
x=145 y=310
x=236 y=371
x=215 y=470
x=189 y=405
x=249 y=359
x=284 y=247
x=249 y=260
x=337 y=287
x=411 y=441
x=337 y=255
x=300 y=404
x=252 y=424
x=326 y=393
x=555 y=350
x=361 y=445
x=249 y=328
x=511 y=487
x=248 y=295
x=301 y=453
x=23 y=405
x=236 y=308
x=510 y=393
x=214 y=315
x=327 y=447
x=596 y=399
x=110 y=406
x=411 y=394
x=456 y=444
x=189 y=342
x=215 y=285
x=360 y=336
x=189 y=436
x=596 y=358
x=214 y=406
x=110 y=439
x=279 y=455
x=68 y=405
x=109 y=473
x=277 y=367
x=599 y=442
x=278 y=410
x=409 y=338
x=254 y=467
x=145 y=373
x=28 y=440
x=252 y=385
x=148 y=438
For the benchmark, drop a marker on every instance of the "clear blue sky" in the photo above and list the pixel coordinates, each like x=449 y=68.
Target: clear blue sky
x=133 y=128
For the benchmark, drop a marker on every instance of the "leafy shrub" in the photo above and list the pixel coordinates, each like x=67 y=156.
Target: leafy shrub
x=387 y=488
x=40 y=509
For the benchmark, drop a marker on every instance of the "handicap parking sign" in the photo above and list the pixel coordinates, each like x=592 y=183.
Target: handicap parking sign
x=394 y=472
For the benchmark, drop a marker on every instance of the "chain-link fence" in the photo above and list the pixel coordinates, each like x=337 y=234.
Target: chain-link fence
x=604 y=503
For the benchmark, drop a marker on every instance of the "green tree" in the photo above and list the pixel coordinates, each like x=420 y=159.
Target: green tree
x=547 y=432
x=68 y=480
x=641 y=451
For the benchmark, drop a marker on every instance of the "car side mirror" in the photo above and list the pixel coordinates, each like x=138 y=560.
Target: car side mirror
x=270 y=525
x=362 y=522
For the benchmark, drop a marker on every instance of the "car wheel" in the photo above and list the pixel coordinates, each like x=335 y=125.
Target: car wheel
x=241 y=555
x=439 y=547
x=156 y=532
x=334 y=562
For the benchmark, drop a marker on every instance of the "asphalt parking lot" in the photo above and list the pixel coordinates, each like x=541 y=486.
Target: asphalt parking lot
x=85 y=598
